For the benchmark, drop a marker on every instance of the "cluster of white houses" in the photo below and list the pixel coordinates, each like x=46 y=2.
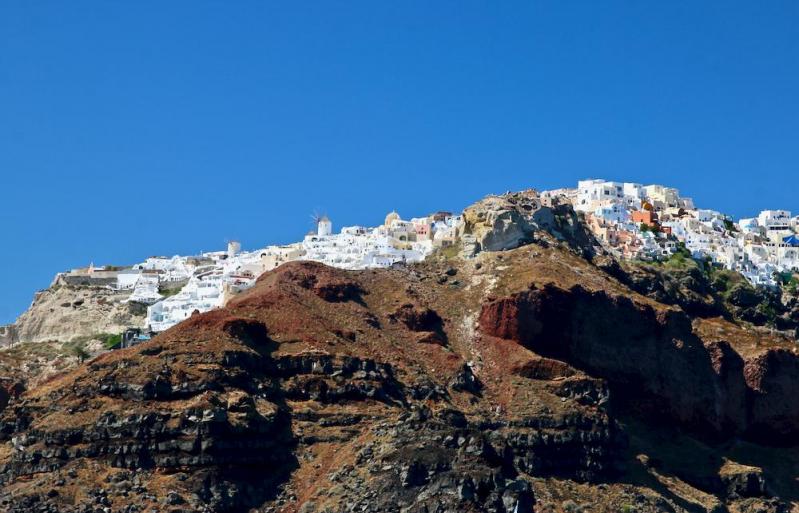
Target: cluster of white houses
x=176 y=287
x=631 y=220
x=647 y=222
x=396 y=240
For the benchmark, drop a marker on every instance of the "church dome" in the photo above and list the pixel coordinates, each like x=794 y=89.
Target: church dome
x=392 y=216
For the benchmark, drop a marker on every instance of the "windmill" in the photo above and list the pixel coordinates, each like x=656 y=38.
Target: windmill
x=322 y=223
x=316 y=217
x=233 y=247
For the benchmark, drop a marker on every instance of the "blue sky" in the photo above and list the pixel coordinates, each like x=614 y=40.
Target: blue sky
x=136 y=128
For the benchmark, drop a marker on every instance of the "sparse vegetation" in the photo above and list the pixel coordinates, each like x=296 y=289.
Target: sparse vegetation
x=450 y=252
x=135 y=308
x=793 y=285
x=167 y=292
x=704 y=286
x=79 y=351
x=723 y=280
x=110 y=341
x=788 y=281
x=768 y=311
x=649 y=228
x=682 y=250
x=681 y=259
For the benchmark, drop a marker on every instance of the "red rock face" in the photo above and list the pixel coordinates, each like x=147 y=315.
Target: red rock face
x=323 y=281
x=421 y=320
x=513 y=318
x=653 y=358
x=545 y=368
x=418 y=319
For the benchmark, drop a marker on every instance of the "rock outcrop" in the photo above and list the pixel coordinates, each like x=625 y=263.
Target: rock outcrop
x=65 y=312
x=505 y=222
x=499 y=223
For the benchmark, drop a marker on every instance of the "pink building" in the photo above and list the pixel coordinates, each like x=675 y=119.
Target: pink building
x=423 y=231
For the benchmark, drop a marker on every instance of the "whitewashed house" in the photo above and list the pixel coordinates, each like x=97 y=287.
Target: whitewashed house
x=127 y=278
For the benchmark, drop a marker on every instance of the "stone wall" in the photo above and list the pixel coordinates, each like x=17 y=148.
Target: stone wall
x=87 y=281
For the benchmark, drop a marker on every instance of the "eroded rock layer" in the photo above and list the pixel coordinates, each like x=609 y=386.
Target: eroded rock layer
x=518 y=381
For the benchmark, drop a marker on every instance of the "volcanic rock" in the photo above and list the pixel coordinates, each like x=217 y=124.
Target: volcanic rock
x=553 y=387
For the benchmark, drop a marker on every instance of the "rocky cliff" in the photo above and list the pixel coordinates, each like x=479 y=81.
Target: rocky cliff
x=65 y=324
x=535 y=376
x=521 y=380
x=64 y=312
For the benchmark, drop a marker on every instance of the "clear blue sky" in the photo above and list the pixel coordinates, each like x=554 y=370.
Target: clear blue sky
x=136 y=128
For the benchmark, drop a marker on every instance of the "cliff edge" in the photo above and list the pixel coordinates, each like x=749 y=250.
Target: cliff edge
x=522 y=380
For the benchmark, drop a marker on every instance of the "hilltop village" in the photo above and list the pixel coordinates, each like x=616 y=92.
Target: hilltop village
x=630 y=220
x=175 y=287
x=653 y=222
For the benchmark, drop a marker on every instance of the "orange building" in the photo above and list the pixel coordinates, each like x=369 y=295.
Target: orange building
x=646 y=217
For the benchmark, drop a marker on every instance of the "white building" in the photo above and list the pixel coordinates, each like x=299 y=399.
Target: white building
x=661 y=196
x=749 y=225
x=616 y=213
x=201 y=294
x=127 y=278
x=146 y=289
x=756 y=247
x=357 y=247
x=592 y=194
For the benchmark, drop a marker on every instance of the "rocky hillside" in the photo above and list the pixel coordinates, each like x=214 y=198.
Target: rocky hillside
x=531 y=379
x=64 y=312
x=65 y=324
